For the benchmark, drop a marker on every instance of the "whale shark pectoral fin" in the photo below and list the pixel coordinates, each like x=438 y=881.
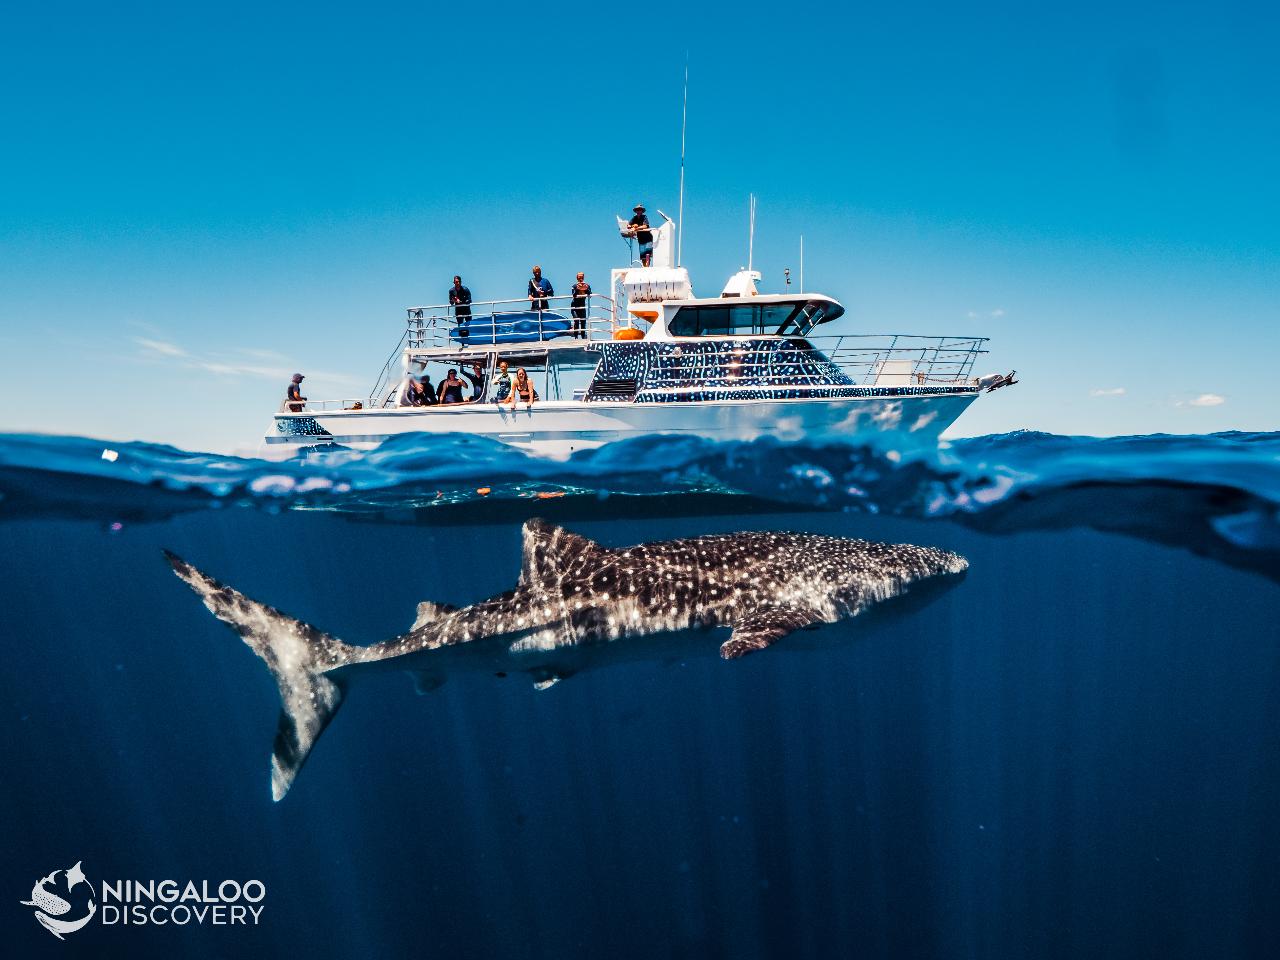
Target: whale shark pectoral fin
x=763 y=628
x=429 y=612
x=546 y=677
x=547 y=550
x=424 y=681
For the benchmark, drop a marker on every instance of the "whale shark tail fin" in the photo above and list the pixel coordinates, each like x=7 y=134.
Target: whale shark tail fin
x=298 y=655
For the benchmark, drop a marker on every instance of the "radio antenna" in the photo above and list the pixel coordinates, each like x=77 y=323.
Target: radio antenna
x=751 y=231
x=684 y=123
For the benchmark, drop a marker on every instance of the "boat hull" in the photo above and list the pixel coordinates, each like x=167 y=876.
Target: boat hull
x=559 y=429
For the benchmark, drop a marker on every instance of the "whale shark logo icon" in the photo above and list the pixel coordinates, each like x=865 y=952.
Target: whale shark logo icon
x=51 y=906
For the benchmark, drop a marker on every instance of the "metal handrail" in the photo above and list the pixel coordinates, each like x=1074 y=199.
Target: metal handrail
x=496 y=321
x=383 y=383
x=841 y=361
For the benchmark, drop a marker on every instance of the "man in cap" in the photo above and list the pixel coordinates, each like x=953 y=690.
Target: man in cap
x=639 y=225
x=293 y=395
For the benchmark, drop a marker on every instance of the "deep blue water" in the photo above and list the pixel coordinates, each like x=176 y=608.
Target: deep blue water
x=1075 y=751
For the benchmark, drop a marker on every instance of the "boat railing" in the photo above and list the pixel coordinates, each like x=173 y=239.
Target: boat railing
x=918 y=359
x=328 y=406
x=835 y=361
x=511 y=321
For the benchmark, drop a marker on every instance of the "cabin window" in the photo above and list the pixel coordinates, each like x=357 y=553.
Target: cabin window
x=746 y=319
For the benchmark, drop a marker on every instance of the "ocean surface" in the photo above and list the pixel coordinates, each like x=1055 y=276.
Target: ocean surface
x=1073 y=752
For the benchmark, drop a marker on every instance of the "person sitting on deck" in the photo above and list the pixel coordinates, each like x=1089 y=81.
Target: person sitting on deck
x=417 y=392
x=539 y=290
x=522 y=389
x=451 y=389
x=460 y=300
x=476 y=376
x=293 y=398
x=639 y=225
x=501 y=383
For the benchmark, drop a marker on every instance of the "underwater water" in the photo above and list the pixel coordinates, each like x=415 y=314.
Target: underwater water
x=1074 y=750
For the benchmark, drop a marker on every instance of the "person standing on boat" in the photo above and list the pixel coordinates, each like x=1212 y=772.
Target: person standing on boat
x=578 y=306
x=501 y=383
x=639 y=225
x=476 y=376
x=460 y=300
x=293 y=397
x=451 y=388
x=539 y=290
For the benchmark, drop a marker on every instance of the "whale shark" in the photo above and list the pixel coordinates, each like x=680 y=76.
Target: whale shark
x=578 y=605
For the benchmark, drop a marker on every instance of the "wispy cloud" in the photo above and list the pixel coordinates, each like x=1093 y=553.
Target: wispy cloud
x=1208 y=400
x=162 y=347
x=1107 y=392
x=223 y=367
x=998 y=312
x=973 y=314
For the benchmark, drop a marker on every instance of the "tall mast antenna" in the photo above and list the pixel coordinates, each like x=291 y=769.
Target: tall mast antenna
x=684 y=123
x=802 y=263
x=751 y=231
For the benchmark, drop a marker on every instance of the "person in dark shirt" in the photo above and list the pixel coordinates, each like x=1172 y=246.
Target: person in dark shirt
x=451 y=388
x=460 y=300
x=476 y=376
x=644 y=236
x=539 y=290
x=418 y=393
x=293 y=397
x=578 y=305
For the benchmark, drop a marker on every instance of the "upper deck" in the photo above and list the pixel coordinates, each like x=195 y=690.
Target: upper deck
x=566 y=321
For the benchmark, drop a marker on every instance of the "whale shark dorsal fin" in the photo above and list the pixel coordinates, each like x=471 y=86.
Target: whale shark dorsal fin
x=763 y=628
x=429 y=612
x=548 y=549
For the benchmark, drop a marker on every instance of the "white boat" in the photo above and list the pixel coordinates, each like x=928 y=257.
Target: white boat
x=652 y=358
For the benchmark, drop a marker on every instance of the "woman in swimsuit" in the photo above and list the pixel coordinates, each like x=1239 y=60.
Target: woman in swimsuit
x=522 y=388
x=451 y=388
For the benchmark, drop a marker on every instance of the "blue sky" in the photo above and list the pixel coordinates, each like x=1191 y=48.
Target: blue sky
x=197 y=200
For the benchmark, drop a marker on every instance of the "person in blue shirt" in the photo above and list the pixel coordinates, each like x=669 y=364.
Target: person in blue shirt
x=501 y=383
x=539 y=290
x=460 y=300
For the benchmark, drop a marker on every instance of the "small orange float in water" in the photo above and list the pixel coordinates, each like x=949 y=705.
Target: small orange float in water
x=550 y=494
x=628 y=333
x=483 y=491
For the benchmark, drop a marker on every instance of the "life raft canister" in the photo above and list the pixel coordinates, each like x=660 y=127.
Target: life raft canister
x=628 y=333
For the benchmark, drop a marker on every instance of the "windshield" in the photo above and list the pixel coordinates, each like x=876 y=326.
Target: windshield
x=745 y=319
